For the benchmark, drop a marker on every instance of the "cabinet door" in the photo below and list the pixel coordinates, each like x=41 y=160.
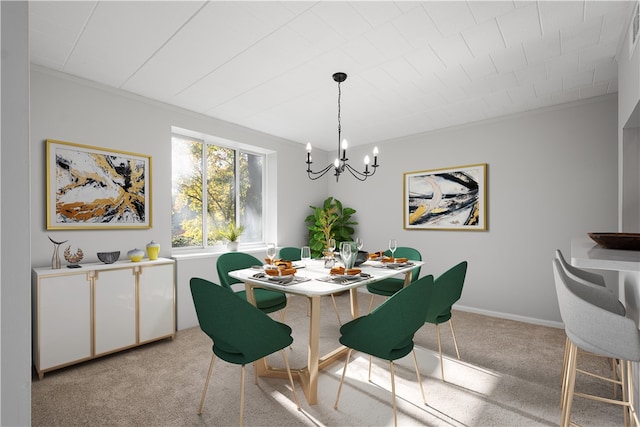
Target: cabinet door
x=115 y=310
x=63 y=320
x=157 y=312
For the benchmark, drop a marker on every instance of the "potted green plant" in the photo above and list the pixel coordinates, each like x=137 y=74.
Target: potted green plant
x=331 y=220
x=231 y=234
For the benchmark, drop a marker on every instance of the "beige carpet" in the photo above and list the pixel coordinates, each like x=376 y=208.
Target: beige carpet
x=509 y=375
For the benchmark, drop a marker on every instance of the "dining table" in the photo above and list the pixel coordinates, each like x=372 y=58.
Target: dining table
x=313 y=281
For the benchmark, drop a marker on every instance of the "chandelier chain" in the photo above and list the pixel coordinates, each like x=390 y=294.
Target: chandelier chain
x=339 y=122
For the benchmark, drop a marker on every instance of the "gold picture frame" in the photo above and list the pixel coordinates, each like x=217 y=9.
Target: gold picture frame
x=96 y=188
x=446 y=199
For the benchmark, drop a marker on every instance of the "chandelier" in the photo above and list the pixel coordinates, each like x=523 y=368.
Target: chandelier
x=340 y=165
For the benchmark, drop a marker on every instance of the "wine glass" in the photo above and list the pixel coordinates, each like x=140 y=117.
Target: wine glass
x=271 y=252
x=393 y=245
x=331 y=245
x=345 y=254
x=359 y=243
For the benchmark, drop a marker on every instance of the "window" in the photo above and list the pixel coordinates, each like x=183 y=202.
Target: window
x=215 y=184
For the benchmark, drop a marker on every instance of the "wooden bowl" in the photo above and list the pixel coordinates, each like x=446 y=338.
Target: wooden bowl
x=623 y=241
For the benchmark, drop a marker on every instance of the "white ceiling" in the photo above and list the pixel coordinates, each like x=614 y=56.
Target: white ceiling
x=412 y=66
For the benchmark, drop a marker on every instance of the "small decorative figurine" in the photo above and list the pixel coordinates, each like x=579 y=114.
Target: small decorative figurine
x=74 y=259
x=55 y=258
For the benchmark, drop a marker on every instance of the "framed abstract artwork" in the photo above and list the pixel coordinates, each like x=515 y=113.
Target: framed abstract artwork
x=446 y=199
x=96 y=188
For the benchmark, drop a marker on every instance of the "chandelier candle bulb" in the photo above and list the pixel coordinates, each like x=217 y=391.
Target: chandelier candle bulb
x=375 y=156
x=366 y=164
x=344 y=150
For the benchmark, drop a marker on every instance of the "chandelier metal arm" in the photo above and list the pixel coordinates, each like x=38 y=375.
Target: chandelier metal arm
x=316 y=175
x=360 y=176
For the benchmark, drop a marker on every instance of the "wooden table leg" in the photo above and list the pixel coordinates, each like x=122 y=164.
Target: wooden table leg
x=313 y=356
x=307 y=376
x=353 y=298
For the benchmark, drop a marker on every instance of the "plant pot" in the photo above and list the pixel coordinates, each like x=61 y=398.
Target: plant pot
x=233 y=246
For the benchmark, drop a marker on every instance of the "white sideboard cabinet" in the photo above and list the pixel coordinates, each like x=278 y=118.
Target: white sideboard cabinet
x=83 y=313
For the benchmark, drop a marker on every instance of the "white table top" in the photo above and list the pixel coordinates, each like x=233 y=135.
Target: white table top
x=586 y=253
x=315 y=270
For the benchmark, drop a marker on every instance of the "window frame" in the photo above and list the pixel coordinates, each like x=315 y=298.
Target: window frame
x=238 y=148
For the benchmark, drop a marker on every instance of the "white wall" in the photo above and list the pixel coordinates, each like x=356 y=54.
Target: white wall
x=552 y=175
x=74 y=110
x=15 y=291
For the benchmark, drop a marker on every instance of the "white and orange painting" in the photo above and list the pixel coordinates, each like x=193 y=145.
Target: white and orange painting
x=95 y=187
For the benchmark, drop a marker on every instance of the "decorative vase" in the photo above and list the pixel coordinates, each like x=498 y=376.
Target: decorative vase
x=55 y=259
x=233 y=246
x=153 y=249
x=135 y=255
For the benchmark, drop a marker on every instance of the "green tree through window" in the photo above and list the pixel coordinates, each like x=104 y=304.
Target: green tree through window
x=233 y=192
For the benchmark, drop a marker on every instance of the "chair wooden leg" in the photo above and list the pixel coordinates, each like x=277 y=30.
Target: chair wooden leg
x=565 y=359
x=335 y=307
x=370 y=360
x=415 y=362
x=371 y=302
x=206 y=383
x=393 y=394
x=632 y=407
x=627 y=392
x=344 y=371
x=614 y=377
x=570 y=386
x=453 y=334
x=241 y=394
x=293 y=387
x=440 y=351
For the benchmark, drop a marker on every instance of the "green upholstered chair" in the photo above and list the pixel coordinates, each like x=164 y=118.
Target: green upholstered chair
x=390 y=286
x=387 y=332
x=292 y=253
x=447 y=289
x=240 y=332
x=266 y=300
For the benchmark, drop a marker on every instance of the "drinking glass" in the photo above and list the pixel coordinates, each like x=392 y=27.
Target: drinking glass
x=305 y=255
x=393 y=245
x=271 y=252
x=345 y=254
x=359 y=243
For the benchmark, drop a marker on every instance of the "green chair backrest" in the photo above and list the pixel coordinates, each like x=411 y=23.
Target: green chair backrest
x=290 y=253
x=241 y=333
x=447 y=289
x=231 y=261
x=387 y=332
x=409 y=253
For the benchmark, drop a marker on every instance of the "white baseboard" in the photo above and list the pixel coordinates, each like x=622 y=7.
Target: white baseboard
x=500 y=315
x=510 y=316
